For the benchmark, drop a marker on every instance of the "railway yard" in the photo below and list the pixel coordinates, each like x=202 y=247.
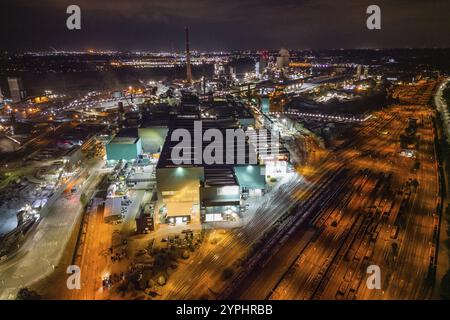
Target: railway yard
x=385 y=212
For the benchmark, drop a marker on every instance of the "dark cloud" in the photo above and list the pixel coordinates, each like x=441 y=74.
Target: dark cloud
x=219 y=24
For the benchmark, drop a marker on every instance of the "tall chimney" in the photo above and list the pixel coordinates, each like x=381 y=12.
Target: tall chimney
x=188 y=57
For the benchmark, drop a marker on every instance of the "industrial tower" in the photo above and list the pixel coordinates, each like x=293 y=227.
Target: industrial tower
x=188 y=57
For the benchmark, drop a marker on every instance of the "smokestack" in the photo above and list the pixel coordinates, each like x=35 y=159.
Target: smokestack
x=188 y=57
x=121 y=117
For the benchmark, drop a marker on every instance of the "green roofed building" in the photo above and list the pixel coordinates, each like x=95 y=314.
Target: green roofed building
x=153 y=138
x=251 y=177
x=123 y=148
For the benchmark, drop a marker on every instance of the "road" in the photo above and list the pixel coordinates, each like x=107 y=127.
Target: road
x=95 y=262
x=47 y=242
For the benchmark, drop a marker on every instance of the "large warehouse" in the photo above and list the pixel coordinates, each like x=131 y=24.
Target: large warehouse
x=152 y=138
x=220 y=195
x=211 y=191
x=123 y=148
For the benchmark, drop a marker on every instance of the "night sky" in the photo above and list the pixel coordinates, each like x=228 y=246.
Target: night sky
x=223 y=24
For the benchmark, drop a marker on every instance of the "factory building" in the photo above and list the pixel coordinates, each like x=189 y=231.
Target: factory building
x=152 y=138
x=112 y=211
x=276 y=163
x=154 y=128
x=145 y=219
x=178 y=188
x=283 y=59
x=251 y=179
x=198 y=189
x=123 y=148
x=220 y=196
x=16 y=89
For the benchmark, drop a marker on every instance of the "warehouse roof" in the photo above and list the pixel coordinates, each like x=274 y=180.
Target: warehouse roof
x=219 y=176
x=124 y=140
